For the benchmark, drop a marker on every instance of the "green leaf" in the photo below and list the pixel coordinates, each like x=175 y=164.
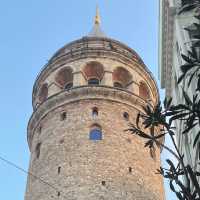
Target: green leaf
x=167 y=102
x=181 y=78
x=196 y=139
x=159 y=136
x=149 y=144
x=186 y=67
x=189 y=127
x=191 y=77
x=187 y=8
x=171 y=165
x=144 y=135
x=197 y=17
x=137 y=120
x=186 y=58
x=172 y=186
x=187 y=98
x=196 y=44
x=198 y=84
x=179 y=116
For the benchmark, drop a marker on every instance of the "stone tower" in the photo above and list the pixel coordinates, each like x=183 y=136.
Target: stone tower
x=83 y=100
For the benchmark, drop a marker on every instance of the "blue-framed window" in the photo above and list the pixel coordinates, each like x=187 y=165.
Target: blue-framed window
x=96 y=134
x=93 y=81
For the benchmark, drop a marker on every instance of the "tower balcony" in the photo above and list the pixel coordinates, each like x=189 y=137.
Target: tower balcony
x=94 y=61
x=82 y=93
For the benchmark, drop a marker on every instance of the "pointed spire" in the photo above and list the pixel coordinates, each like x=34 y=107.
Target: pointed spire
x=96 y=30
x=97 y=19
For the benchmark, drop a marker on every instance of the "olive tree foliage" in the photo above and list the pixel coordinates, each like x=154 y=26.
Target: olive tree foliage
x=155 y=122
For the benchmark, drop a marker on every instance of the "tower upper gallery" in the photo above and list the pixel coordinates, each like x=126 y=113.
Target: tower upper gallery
x=86 y=61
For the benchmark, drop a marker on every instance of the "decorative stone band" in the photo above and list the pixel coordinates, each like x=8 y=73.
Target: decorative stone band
x=82 y=93
x=91 y=48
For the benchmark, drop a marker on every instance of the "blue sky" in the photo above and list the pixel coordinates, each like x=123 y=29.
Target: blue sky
x=30 y=32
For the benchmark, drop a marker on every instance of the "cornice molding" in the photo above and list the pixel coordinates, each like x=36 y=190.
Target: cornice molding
x=82 y=93
x=91 y=48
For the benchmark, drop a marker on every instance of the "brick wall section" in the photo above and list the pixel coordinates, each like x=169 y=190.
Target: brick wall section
x=85 y=163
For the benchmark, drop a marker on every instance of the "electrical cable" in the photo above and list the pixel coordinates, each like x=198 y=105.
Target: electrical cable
x=31 y=174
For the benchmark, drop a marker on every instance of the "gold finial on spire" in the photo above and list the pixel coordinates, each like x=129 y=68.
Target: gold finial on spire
x=97 y=17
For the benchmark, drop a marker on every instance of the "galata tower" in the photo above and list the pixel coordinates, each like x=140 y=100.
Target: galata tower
x=83 y=101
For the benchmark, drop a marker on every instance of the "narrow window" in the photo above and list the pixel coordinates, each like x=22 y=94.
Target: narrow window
x=63 y=116
x=95 y=133
x=39 y=130
x=61 y=141
x=59 y=169
x=130 y=169
x=95 y=112
x=58 y=194
x=103 y=183
x=37 y=150
x=126 y=116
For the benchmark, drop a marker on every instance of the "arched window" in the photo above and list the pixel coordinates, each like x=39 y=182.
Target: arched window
x=93 y=72
x=121 y=77
x=95 y=132
x=64 y=78
x=43 y=93
x=95 y=112
x=144 y=91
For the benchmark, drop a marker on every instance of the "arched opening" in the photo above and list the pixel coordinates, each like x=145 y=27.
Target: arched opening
x=59 y=170
x=95 y=132
x=144 y=91
x=93 y=72
x=95 y=112
x=37 y=150
x=121 y=77
x=64 y=78
x=63 y=116
x=43 y=93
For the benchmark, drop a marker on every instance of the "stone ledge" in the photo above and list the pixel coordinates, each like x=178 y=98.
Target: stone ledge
x=82 y=93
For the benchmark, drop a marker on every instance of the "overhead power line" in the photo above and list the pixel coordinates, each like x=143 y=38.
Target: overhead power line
x=31 y=174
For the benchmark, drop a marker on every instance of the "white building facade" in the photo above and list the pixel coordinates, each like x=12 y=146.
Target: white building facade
x=174 y=40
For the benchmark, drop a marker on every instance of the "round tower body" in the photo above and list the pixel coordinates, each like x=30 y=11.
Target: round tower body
x=83 y=101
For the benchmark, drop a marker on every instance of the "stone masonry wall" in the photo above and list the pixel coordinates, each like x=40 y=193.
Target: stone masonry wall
x=118 y=167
